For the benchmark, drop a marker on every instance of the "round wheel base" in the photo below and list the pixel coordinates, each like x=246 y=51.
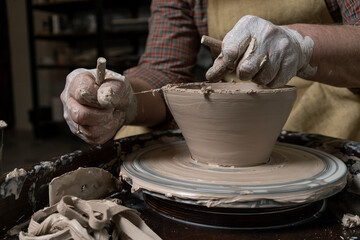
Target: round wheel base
x=237 y=218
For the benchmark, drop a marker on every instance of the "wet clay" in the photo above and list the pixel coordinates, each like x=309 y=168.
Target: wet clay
x=85 y=183
x=293 y=175
x=13 y=183
x=2 y=124
x=230 y=124
x=350 y=220
x=74 y=218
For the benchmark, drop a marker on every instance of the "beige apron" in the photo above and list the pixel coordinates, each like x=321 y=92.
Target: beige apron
x=319 y=108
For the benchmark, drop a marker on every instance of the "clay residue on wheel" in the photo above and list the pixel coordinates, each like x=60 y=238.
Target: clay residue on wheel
x=169 y=170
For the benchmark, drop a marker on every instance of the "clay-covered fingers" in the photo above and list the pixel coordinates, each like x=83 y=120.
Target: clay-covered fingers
x=96 y=135
x=86 y=122
x=285 y=72
x=234 y=45
x=90 y=116
x=267 y=71
x=93 y=112
x=252 y=61
x=95 y=126
x=113 y=94
x=232 y=50
x=116 y=92
x=273 y=56
x=100 y=134
x=263 y=67
x=249 y=68
x=282 y=64
x=218 y=70
x=82 y=88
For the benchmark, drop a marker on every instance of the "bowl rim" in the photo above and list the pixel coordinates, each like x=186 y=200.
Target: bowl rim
x=207 y=87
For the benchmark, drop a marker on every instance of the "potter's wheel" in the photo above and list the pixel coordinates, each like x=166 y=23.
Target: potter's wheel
x=288 y=190
x=294 y=175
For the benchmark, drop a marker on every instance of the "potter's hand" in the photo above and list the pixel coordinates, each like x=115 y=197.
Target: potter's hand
x=264 y=53
x=95 y=113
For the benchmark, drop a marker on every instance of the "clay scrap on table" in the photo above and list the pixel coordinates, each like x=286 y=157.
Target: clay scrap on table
x=74 y=218
x=85 y=183
x=83 y=215
x=350 y=220
x=3 y=124
x=13 y=183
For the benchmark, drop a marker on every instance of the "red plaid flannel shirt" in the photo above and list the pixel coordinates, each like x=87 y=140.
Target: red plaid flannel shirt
x=175 y=28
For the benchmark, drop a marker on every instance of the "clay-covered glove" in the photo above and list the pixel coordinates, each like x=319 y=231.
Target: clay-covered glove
x=95 y=113
x=263 y=52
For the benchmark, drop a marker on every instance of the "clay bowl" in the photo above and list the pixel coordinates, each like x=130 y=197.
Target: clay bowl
x=230 y=124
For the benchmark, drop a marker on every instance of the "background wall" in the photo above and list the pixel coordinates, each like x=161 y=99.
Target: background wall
x=50 y=84
x=20 y=62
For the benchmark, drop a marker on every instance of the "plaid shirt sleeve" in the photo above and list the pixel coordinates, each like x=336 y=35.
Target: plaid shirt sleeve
x=345 y=11
x=172 y=45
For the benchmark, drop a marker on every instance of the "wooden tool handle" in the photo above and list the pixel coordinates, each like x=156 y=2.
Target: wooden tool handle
x=211 y=42
x=100 y=70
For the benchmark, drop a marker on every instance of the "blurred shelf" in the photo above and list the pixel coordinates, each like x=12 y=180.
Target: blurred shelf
x=123 y=27
x=119 y=24
x=65 y=6
x=127 y=26
x=81 y=36
x=62 y=67
x=73 y=6
x=126 y=31
x=110 y=4
x=113 y=62
x=64 y=36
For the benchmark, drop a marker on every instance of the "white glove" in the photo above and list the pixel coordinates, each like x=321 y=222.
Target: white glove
x=264 y=53
x=95 y=113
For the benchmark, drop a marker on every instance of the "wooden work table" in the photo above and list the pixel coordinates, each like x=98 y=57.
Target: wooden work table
x=34 y=192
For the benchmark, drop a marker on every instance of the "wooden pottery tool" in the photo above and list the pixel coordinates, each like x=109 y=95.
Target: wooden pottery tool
x=211 y=42
x=100 y=70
